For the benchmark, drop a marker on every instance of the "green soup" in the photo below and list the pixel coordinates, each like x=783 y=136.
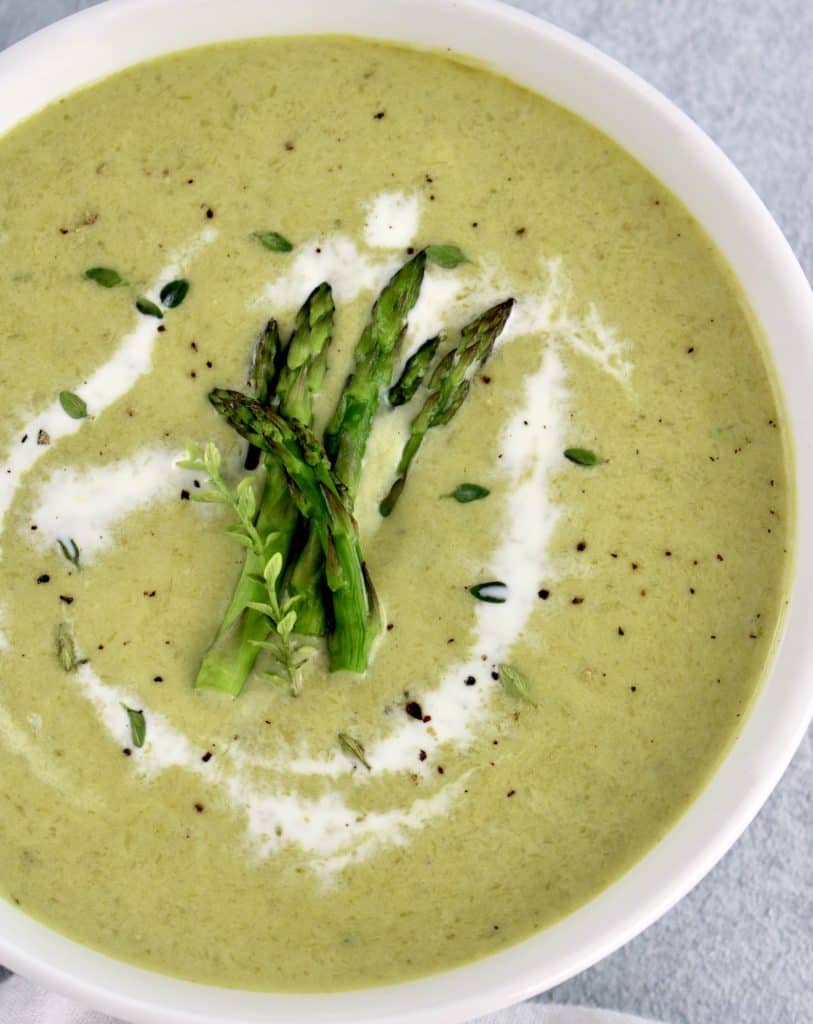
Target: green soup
x=241 y=844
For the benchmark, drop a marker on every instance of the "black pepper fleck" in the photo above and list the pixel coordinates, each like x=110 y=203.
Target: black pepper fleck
x=577 y=600
x=544 y=594
x=581 y=546
x=45 y=578
x=199 y=808
x=414 y=709
x=422 y=755
x=66 y=598
x=207 y=757
x=185 y=495
x=470 y=681
x=158 y=679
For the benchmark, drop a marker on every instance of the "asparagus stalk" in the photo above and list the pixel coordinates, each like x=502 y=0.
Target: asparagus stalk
x=414 y=372
x=301 y=377
x=263 y=375
x=347 y=433
x=325 y=504
x=233 y=653
x=349 y=429
x=448 y=387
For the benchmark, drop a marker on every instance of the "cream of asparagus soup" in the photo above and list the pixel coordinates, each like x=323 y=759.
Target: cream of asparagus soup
x=395 y=507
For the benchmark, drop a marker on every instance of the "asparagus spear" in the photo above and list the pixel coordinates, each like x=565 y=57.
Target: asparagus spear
x=306 y=357
x=414 y=372
x=233 y=653
x=347 y=433
x=448 y=387
x=324 y=503
x=263 y=375
x=349 y=429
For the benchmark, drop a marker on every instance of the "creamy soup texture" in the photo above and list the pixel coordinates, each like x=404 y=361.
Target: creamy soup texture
x=240 y=845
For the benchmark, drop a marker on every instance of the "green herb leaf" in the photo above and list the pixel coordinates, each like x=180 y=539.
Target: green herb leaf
x=138 y=725
x=582 y=456
x=273 y=241
x=174 y=293
x=493 y=592
x=273 y=567
x=105 y=277
x=73 y=405
x=464 y=493
x=72 y=553
x=286 y=624
x=66 y=648
x=446 y=256
x=148 y=307
x=351 y=746
x=515 y=684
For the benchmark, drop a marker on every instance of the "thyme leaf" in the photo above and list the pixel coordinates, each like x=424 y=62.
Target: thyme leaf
x=105 y=277
x=72 y=553
x=582 y=456
x=493 y=592
x=138 y=725
x=273 y=241
x=66 y=647
x=174 y=293
x=73 y=405
x=464 y=493
x=148 y=307
x=446 y=256
x=353 y=748
x=515 y=684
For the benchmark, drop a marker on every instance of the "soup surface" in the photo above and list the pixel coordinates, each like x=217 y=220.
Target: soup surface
x=241 y=844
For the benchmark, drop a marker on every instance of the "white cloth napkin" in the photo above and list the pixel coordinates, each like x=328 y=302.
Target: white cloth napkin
x=22 y=1002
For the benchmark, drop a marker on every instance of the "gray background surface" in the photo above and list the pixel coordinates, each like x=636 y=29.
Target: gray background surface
x=739 y=949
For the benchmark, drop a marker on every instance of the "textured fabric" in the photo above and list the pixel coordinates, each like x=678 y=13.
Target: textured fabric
x=739 y=949
x=24 y=1003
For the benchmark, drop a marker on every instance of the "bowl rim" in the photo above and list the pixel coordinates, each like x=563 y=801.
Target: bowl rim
x=85 y=47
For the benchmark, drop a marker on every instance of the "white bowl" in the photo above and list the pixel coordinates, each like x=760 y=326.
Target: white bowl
x=104 y=39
